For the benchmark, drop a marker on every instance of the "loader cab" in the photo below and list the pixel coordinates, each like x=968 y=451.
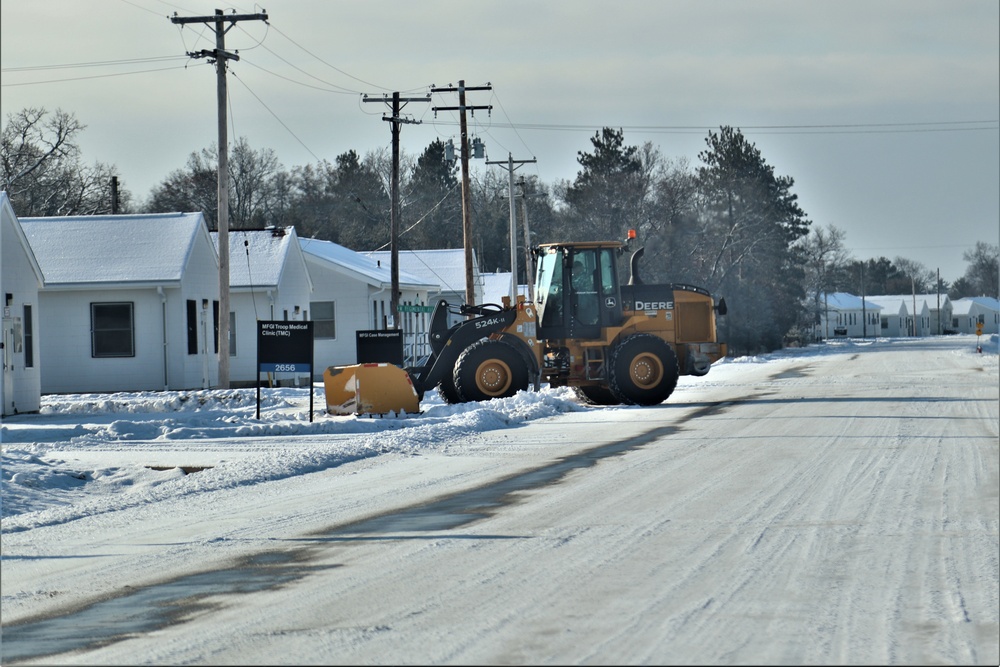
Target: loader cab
x=577 y=290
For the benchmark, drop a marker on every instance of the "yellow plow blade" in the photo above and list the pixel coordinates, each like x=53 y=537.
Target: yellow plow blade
x=369 y=389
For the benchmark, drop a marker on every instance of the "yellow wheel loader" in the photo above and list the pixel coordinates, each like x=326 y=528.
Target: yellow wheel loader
x=613 y=343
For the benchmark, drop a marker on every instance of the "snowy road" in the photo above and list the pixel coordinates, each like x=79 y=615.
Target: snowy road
x=816 y=509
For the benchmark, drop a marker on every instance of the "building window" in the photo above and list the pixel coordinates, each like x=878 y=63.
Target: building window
x=29 y=339
x=215 y=327
x=192 y=326
x=324 y=314
x=232 y=334
x=112 y=330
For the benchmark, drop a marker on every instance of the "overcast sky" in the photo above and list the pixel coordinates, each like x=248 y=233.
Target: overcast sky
x=884 y=113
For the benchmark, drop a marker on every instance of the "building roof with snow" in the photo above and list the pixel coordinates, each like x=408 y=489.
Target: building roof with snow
x=965 y=305
x=362 y=265
x=444 y=267
x=113 y=249
x=893 y=304
x=846 y=301
x=257 y=257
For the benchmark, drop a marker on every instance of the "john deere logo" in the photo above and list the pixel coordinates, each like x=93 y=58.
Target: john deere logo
x=610 y=302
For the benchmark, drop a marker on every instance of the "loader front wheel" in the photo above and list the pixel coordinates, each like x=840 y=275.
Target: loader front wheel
x=490 y=369
x=643 y=370
x=447 y=392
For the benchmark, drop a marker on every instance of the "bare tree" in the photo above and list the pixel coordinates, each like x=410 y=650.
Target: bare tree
x=982 y=276
x=44 y=173
x=922 y=279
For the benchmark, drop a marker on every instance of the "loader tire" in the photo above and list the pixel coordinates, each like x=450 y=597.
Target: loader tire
x=447 y=392
x=643 y=370
x=596 y=395
x=490 y=369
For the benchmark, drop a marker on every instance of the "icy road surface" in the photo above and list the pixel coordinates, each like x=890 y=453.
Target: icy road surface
x=831 y=506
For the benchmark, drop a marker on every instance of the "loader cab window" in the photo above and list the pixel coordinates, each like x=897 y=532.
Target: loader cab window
x=548 y=291
x=584 y=279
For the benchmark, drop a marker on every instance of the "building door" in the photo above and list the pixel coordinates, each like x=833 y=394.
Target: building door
x=7 y=398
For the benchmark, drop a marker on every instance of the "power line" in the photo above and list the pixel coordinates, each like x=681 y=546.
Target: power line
x=871 y=128
x=96 y=63
x=275 y=116
x=343 y=91
x=95 y=76
x=336 y=69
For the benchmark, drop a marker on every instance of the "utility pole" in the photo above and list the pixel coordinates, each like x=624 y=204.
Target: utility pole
x=864 y=311
x=513 y=221
x=939 y=331
x=470 y=286
x=394 y=195
x=219 y=56
x=529 y=273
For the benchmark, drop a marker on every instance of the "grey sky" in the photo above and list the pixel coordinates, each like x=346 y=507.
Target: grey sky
x=885 y=113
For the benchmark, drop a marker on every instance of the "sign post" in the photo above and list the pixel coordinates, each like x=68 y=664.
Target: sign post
x=285 y=347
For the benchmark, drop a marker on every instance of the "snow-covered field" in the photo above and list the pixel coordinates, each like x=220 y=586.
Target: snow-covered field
x=102 y=492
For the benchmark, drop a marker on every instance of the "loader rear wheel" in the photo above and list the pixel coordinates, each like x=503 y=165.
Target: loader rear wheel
x=596 y=395
x=643 y=370
x=490 y=369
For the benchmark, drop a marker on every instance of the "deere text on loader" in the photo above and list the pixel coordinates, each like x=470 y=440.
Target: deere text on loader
x=613 y=343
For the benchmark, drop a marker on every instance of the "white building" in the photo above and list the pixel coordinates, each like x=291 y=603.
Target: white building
x=970 y=311
x=894 y=318
x=268 y=280
x=497 y=285
x=844 y=315
x=445 y=267
x=351 y=293
x=939 y=312
x=20 y=279
x=126 y=302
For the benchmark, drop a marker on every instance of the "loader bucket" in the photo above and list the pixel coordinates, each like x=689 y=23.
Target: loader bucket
x=369 y=389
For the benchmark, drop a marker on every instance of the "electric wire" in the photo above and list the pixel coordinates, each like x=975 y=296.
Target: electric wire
x=94 y=76
x=96 y=63
x=336 y=69
x=253 y=297
x=277 y=118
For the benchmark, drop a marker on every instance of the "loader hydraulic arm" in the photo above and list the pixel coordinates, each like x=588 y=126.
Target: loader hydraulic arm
x=448 y=343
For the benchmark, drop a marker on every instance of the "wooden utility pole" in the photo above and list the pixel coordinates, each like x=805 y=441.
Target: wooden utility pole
x=529 y=269
x=513 y=222
x=470 y=285
x=219 y=56
x=394 y=195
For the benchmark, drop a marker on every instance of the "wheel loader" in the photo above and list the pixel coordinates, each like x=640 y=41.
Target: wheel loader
x=613 y=343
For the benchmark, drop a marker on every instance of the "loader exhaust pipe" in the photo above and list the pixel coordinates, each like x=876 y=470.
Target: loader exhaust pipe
x=634 y=278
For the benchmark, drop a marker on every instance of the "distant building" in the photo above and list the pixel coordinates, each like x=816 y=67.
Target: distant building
x=444 y=267
x=939 y=313
x=497 y=285
x=970 y=311
x=127 y=302
x=903 y=315
x=351 y=293
x=20 y=279
x=840 y=314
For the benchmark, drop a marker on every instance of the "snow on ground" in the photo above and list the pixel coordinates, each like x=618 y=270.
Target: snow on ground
x=87 y=454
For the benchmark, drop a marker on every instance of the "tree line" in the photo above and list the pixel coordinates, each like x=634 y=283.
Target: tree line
x=728 y=224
